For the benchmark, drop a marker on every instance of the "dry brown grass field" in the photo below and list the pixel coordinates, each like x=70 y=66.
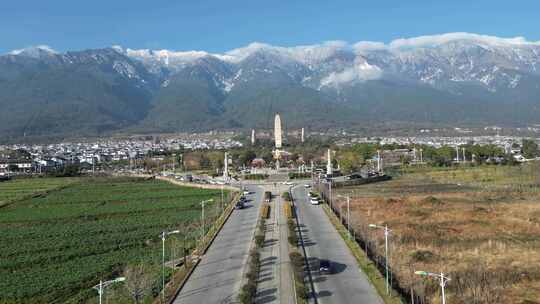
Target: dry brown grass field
x=481 y=225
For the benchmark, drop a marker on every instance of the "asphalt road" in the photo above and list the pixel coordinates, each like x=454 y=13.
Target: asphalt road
x=218 y=277
x=347 y=284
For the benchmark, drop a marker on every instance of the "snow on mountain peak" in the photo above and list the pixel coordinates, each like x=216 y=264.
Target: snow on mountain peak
x=34 y=51
x=304 y=53
x=166 y=56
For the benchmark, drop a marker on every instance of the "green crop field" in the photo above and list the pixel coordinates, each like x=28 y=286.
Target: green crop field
x=56 y=245
x=24 y=187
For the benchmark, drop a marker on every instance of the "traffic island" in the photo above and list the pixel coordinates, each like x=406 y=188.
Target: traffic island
x=295 y=255
x=248 y=292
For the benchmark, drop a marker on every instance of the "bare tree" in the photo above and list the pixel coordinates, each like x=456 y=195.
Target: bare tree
x=139 y=280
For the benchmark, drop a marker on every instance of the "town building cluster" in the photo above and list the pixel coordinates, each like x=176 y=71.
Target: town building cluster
x=41 y=158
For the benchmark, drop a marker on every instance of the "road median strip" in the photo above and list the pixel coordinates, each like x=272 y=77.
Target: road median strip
x=298 y=260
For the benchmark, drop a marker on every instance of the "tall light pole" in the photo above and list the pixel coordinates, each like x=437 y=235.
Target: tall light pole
x=222 y=198
x=164 y=234
x=102 y=285
x=330 y=195
x=202 y=215
x=442 y=281
x=386 y=234
x=348 y=213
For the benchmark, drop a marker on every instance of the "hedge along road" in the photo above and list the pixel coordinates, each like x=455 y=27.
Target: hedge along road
x=347 y=284
x=218 y=277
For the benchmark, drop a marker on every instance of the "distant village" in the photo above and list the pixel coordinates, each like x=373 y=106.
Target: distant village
x=23 y=158
x=40 y=158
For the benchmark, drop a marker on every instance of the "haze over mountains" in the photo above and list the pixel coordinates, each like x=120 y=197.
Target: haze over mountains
x=449 y=79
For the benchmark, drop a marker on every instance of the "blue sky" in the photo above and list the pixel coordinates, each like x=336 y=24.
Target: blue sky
x=218 y=26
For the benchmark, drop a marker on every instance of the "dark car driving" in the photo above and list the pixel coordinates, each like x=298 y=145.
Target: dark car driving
x=325 y=267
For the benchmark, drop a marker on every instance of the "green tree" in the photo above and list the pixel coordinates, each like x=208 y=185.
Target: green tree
x=349 y=161
x=530 y=148
x=247 y=156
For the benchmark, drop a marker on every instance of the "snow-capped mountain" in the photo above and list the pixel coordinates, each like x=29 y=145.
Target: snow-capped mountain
x=449 y=78
x=439 y=61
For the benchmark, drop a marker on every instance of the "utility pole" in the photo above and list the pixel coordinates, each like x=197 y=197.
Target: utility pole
x=222 y=205
x=163 y=235
x=202 y=216
x=386 y=234
x=442 y=281
x=349 y=215
x=102 y=285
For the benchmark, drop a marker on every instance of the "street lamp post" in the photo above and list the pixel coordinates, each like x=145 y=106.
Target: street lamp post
x=330 y=195
x=442 y=281
x=102 y=285
x=348 y=213
x=386 y=234
x=202 y=215
x=164 y=234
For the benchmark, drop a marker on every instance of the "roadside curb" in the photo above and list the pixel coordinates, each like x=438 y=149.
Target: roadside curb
x=216 y=233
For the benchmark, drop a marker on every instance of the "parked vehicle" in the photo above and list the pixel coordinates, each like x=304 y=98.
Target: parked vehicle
x=239 y=205
x=314 y=201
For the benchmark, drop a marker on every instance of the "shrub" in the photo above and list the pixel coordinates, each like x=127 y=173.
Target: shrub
x=251 y=275
x=259 y=240
x=265 y=211
x=286 y=196
x=291 y=225
x=288 y=210
x=422 y=255
x=255 y=176
x=432 y=200
x=294 y=175
x=296 y=259
x=248 y=292
x=302 y=291
x=293 y=240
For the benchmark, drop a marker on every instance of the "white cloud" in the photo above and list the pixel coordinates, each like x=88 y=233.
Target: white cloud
x=359 y=72
x=366 y=46
x=434 y=40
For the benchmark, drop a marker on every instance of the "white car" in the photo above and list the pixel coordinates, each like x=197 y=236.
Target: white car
x=246 y=192
x=288 y=183
x=314 y=201
x=307 y=185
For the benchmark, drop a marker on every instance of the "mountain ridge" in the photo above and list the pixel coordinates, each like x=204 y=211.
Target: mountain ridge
x=455 y=78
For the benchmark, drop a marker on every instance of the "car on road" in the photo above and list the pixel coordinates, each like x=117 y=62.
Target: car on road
x=267 y=196
x=246 y=192
x=307 y=185
x=288 y=183
x=325 y=267
x=314 y=201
